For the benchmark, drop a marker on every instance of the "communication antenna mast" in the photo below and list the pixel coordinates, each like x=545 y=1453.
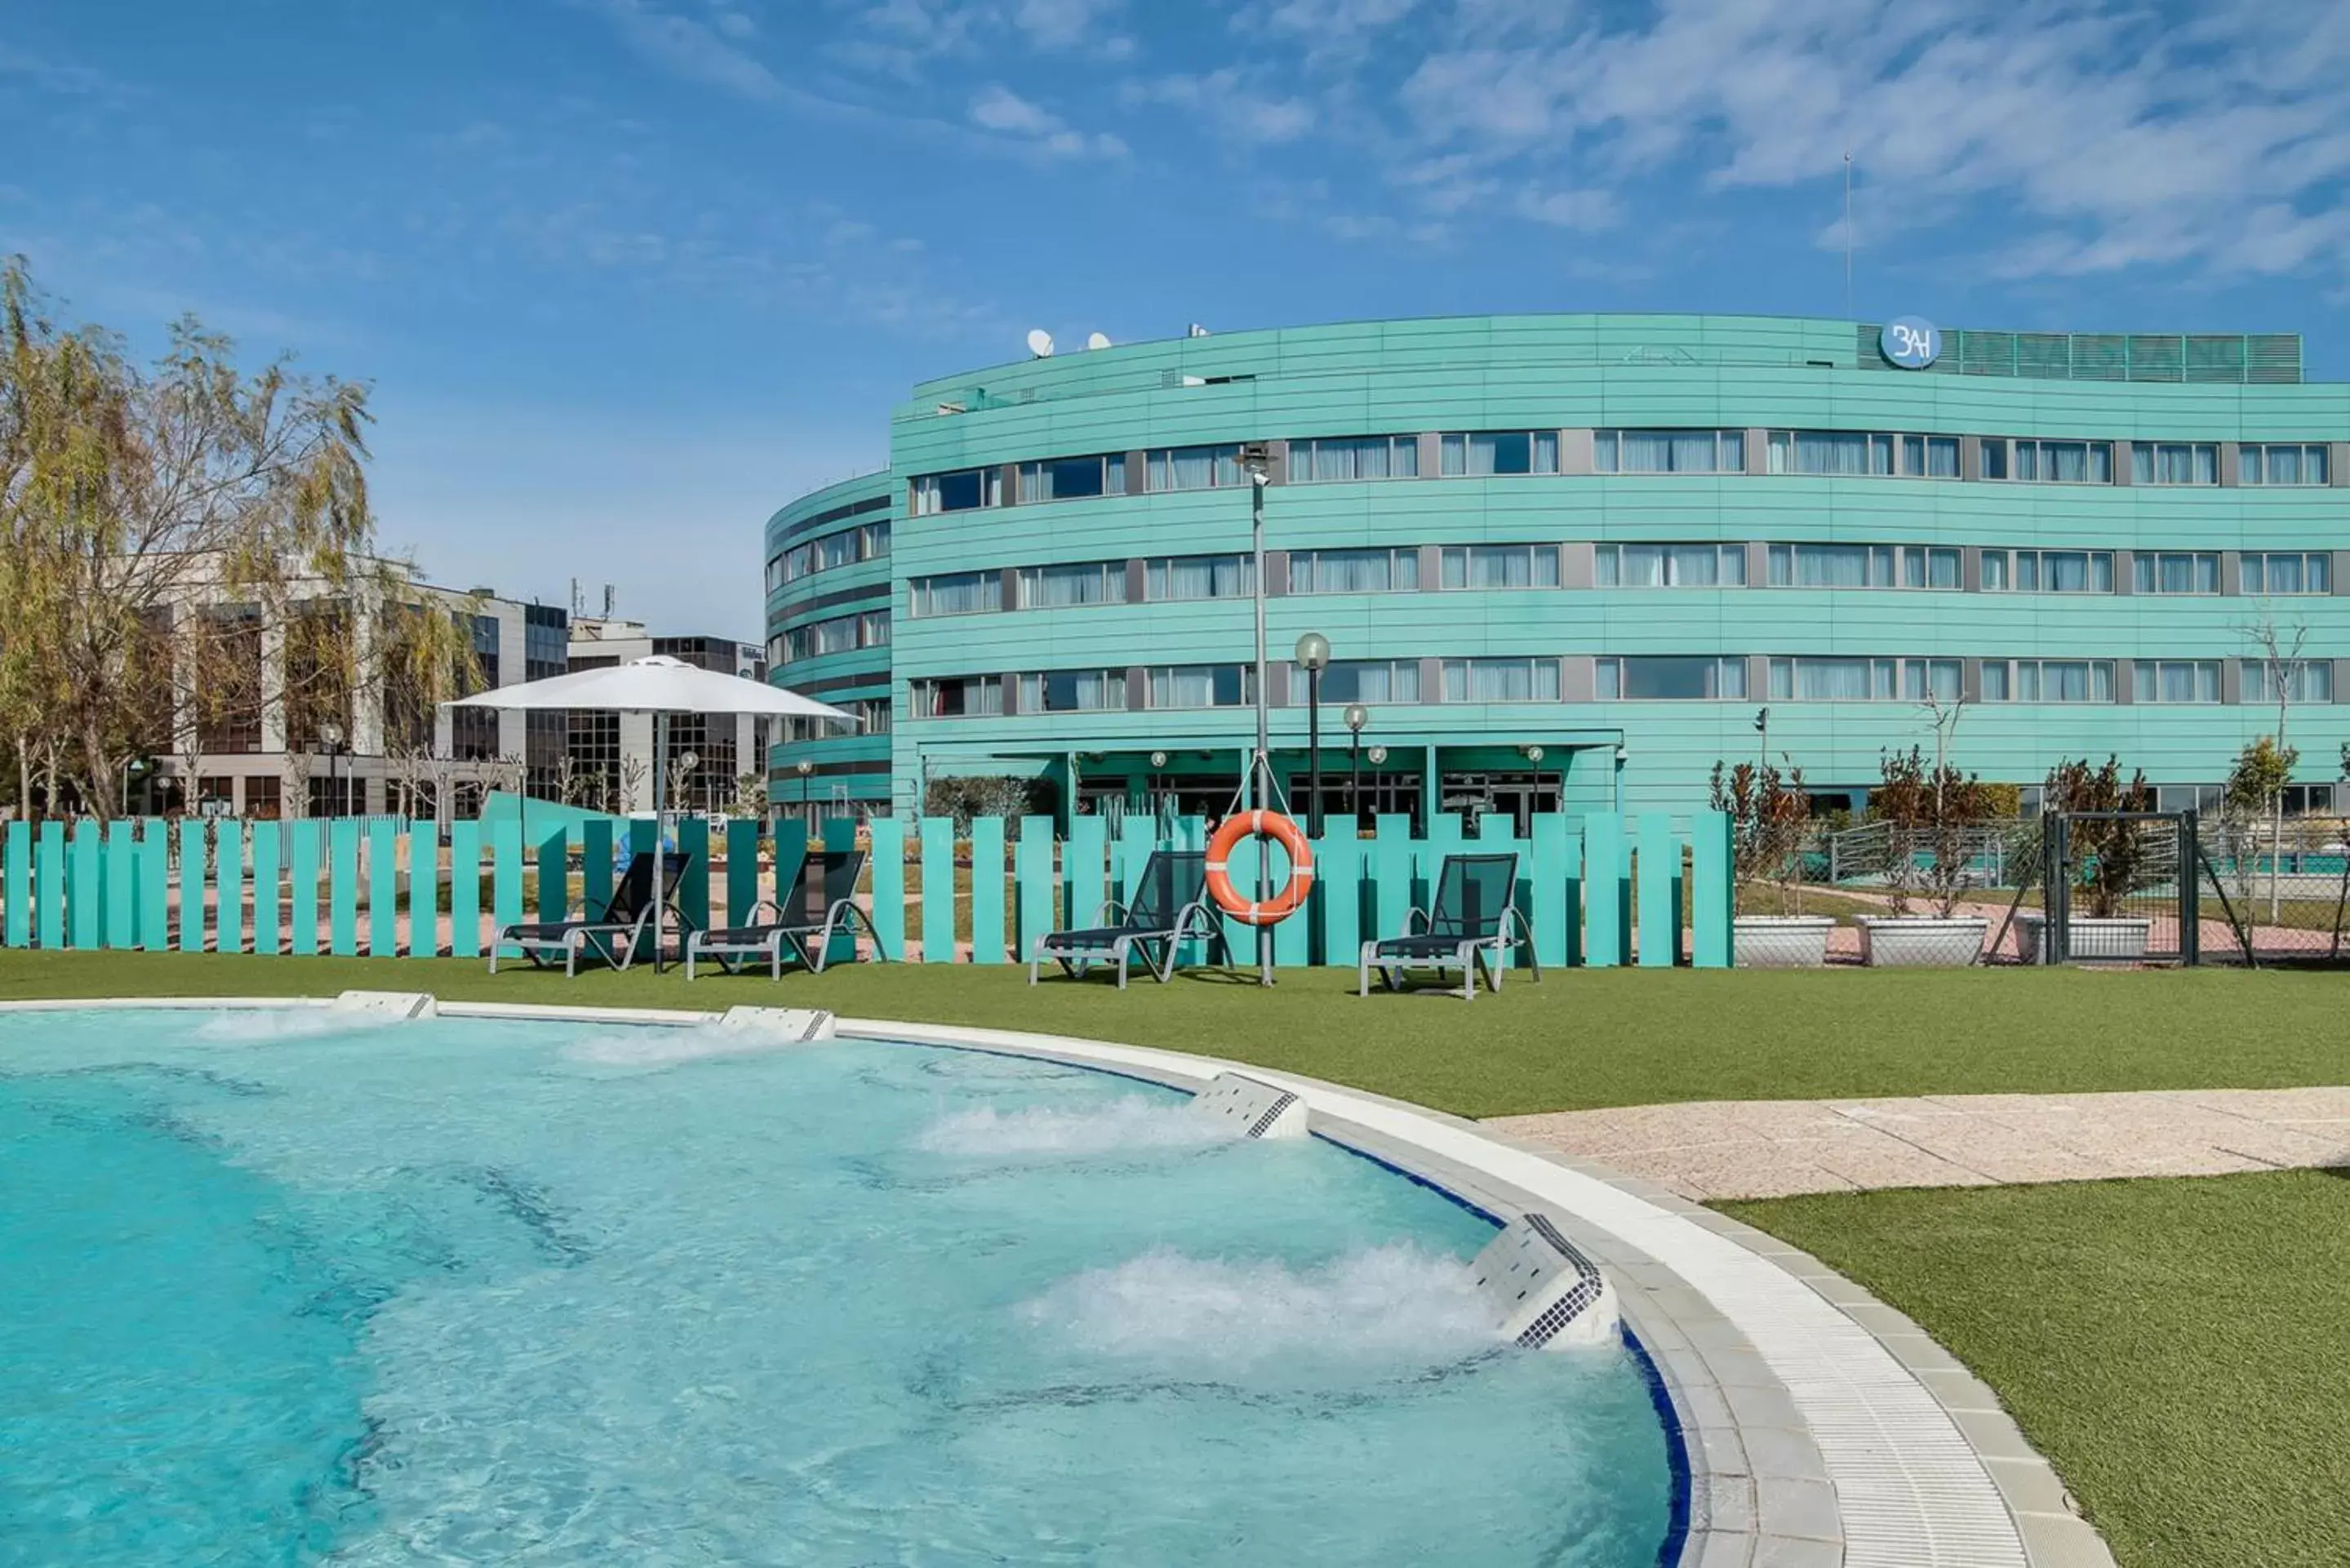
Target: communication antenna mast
x=1847 y=233
x=611 y=600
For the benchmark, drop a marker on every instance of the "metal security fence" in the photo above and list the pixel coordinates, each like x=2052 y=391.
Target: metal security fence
x=1598 y=890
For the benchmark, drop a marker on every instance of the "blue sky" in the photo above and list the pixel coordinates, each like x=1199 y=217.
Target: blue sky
x=628 y=274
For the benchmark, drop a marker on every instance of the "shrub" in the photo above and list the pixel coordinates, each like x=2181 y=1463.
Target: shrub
x=2107 y=854
x=1770 y=816
x=985 y=795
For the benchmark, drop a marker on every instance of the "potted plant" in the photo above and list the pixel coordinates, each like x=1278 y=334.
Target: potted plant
x=1928 y=810
x=2108 y=855
x=1769 y=816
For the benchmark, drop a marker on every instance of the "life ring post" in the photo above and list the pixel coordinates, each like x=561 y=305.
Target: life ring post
x=1279 y=829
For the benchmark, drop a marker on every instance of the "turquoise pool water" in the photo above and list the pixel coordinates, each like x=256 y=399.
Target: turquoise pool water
x=469 y=1291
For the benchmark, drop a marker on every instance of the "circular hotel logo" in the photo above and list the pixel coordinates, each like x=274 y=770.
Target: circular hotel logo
x=1911 y=342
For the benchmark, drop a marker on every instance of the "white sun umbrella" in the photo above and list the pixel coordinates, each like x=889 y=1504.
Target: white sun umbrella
x=658 y=685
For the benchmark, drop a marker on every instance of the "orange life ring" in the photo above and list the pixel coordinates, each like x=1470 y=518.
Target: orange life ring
x=1262 y=825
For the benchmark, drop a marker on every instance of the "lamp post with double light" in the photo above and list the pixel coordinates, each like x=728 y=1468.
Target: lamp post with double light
x=1314 y=658
x=1356 y=717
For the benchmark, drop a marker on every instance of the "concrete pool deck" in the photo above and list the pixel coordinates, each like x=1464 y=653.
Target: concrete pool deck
x=1776 y=1148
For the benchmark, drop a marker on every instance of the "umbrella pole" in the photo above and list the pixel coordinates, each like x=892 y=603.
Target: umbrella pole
x=660 y=854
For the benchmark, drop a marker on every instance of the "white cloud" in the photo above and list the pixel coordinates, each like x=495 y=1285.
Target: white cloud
x=1070 y=24
x=999 y=109
x=1226 y=107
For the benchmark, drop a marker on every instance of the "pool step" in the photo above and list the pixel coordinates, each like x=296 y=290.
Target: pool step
x=784 y=1025
x=1548 y=1294
x=1252 y=1109
x=388 y=1005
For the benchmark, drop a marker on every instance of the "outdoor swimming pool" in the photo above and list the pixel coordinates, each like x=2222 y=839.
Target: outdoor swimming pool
x=284 y=1289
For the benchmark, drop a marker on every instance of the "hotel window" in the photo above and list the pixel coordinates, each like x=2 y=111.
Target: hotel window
x=1500 y=566
x=1072 y=478
x=1368 y=680
x=1827 y=678
x=969 y=697
x=1880 y=452
x=2168 y=680
x=873 y=540
x=2289 y=571
x=2048 y=571
x=1202 y=686
x=2295 y=462
x=2048 y=680
x=958 y=593
x=1073 y=692
x=1353 y=571
x=1668 y=451
x=1500 y=680
x=1668 y=678
x=1669 y=565
x=1477 y=453
x=1199 y=578
x=2048 y=462
x=2181 y=572
x=2304 y=681
x=1083 y=583
x=835 y=550
x=1864 y=566
x=966 y=490
x=1194 y=468
x=2174 y=463
x=1322 y=460
x=873 y=628
x=873 y=715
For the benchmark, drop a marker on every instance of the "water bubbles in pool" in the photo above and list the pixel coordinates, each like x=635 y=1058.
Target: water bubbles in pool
x=1130 y=1122
x=256 y=1026
x=1398 y=1303
x=654 y=1046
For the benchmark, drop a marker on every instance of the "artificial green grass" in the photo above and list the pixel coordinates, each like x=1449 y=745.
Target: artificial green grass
x=2178 y=1348
x=1583 y=1038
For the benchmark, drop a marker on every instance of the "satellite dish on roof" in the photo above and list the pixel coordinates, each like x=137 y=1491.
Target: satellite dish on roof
x=1040 y=343
x=1097 y=339
x=1197 y=331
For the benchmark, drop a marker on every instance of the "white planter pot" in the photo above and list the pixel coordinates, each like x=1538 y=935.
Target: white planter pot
x=1781 y=941
x=1902 y=941
x=2119 y=938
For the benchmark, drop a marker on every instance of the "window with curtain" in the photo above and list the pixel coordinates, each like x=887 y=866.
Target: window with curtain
x=873 y=540
x=2048 y=462
x=1073 y=692
x=1077 y=583
x=2048 y=571
x=1322 y=459
x=1500 y=680
x=1202 y=686
x=1170 y=578
x=957 y=593
x=1669 y=678
x=2178 y=572
x=2048 y=680
x=835 y=550
x=1194 y=468
x=1477 y=453
x=2175 y=463
x=1942 y=679
x=1668 y=451
x=1500 y=566
x=1879 y=452
x=1831 y=567
x=2288 y=463
x=1832 y=679
x=2168 y=680
x=1367 y=680
x=874 y=715
x=968 y=697
x=1353 y=571
x=873 y=628
x=1073 y=478
x=2273 y=572
x=1668 y=565
x=2303 y=681
x=965 y=490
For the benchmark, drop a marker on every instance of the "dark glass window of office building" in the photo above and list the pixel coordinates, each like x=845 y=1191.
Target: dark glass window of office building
x=546 y=651
x=474 y=731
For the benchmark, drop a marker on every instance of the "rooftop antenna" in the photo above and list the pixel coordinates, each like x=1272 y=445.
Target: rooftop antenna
x=1196 y=331
x=611 y=600
x=578 y=604
x=1847 y=233
x=1040 y=343
x=1097 y=339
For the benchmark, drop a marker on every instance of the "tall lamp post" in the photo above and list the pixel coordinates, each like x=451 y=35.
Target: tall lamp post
x=805 y=768
x=1256 y=457
x=1314 y=658
x=1356 y=717
x=1533 y=802
x=330 y=735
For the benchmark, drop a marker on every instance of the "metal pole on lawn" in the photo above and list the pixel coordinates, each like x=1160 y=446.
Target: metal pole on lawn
x=661 y=855
x=1257 y=459
x=1313 y=751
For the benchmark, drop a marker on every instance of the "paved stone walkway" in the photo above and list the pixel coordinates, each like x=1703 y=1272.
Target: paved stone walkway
x=1769 y=1148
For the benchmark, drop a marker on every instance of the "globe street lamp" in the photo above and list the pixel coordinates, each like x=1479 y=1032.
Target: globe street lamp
x=1356 y=717
x=1534 y=754
x=330 y=735
x=1313 y=657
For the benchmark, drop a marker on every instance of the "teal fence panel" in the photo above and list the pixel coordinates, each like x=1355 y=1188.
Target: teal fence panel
x=693 y=888
x=1339 y=894
x=1711 y=914
x=302 y=862
x=384 y=887
x=1137 y=835
x=1085 y=870
x=122 y=884
x=194 y=845
x=1444 y=837
x=791 y=850
x=1498 y=835
x=267 y=850
x=840 y=839
x=505 y=878
x=18 y=887
x=1548 y=912
x=938 y=889
x=228 y=882
x=594 y=863
x=742 y=871
x=1661 y=892
x=50 y=884
x=343 y=886
x=424 y=891
x=1033 y=873
x=86 y=885
x=551 y=853
x=1603 y=889
x=889 y=863
x=465 y=889
x=155 y=885
x=987 y=889
x=1192 y=833
x=1577 y=952
x=1391 y=856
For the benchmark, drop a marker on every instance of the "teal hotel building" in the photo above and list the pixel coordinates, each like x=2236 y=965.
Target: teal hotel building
x=1569 y=562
